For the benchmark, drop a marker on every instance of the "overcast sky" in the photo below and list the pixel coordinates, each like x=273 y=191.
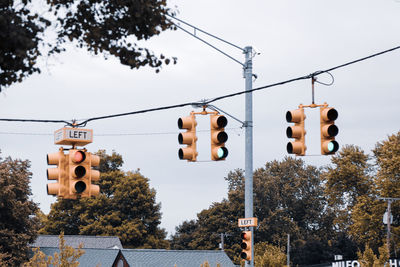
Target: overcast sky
x=294 y=38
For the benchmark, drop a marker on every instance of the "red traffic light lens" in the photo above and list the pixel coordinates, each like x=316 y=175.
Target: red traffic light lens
x=79 y=156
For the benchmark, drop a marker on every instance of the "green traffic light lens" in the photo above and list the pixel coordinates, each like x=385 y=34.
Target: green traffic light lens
x=333 y=146
x=330 y=146
x=222 y=152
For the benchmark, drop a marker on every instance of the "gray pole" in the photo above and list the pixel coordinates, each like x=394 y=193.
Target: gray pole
x=388 y=226
x=248 y=169
x=222 y=241
x=288 y=251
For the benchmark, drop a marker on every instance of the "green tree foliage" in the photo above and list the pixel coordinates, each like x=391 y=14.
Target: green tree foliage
x=288 y=199
x=267 y=255
x=126 y=207
x=369 y=259
x=110 y=27
x=21 y=33
x=387 y=158
x=17 y=211
x=347 y=179
x=353 y=185
x=67 y=257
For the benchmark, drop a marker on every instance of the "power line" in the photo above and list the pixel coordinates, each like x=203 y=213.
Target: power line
x=119 y=134
x=202 y=103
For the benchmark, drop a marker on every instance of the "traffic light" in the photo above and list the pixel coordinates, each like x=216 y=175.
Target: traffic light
x=81 y=174
x=218 y=137
x=60 y=173
x=246 y=245
x=328 y=130
x=297 y=132
x=188 y=138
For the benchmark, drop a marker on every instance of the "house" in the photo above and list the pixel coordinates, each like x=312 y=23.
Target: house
x=107 y=251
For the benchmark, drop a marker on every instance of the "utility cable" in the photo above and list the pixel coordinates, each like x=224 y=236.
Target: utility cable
x=202 y=103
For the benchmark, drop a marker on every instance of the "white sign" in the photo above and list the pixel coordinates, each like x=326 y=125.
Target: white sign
x=247 y=222
x=73 y=136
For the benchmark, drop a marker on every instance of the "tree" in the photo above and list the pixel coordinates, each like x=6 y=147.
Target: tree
x=346 y=180
x=17 y=211
x=369 y=259
x=125 y=208
x=21 y=33
x=266 y=255
x=287 y=200
x=108 y=25
x=67 y=256
x=387 y=158
x=111 y=27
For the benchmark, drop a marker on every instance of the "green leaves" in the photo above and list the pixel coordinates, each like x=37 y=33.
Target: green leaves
x=17 y=212
x=125 y=208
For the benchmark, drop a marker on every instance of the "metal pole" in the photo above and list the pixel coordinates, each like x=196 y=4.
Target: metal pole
x=388 y=226
x=288 y=251
x=248 y=192
x=222 y=241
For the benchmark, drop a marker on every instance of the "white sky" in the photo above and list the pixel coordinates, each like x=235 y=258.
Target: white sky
x=294 y=38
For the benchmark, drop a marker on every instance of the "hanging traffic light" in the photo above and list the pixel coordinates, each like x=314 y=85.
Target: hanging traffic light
x=328 y=130
x=188 y=138
x=81 y=174
x=246 y=245
x=60 y=173
x=297 y=132
x=218 y=137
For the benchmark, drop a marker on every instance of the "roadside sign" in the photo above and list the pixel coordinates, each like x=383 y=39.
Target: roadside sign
x=247 y=222
x=73 y=136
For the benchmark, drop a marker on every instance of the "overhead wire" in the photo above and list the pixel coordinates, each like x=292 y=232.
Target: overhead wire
x=206 y=102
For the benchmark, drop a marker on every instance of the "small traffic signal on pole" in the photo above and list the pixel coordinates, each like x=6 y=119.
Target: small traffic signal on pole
x=218 y=137
x=188 y=138
x=60 y=173
x=81 y=174
x=246 y=245
x=328 y=130
x=297 y=132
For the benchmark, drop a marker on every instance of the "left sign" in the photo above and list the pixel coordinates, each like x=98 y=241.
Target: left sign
x=73 y=136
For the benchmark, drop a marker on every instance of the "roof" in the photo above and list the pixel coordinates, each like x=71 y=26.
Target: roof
x=168 y=258
x=91 y=257
x=104 y=242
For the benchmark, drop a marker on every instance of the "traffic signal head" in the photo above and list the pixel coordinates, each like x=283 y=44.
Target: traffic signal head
x=81 y=174
x=296 y=131
x=218 y=137
x=59 y=173
x=188 y=138
x=328 y=130
x=246 y=245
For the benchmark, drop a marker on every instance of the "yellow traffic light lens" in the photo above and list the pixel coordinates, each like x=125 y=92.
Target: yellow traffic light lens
x=180 y=153
x=222 y=137
x=332 y=130
x=80 y=171
x=80 y=187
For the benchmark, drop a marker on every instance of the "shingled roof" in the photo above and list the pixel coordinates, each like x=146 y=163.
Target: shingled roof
x=52 y=241
x=91 y=257
x=180 y=258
